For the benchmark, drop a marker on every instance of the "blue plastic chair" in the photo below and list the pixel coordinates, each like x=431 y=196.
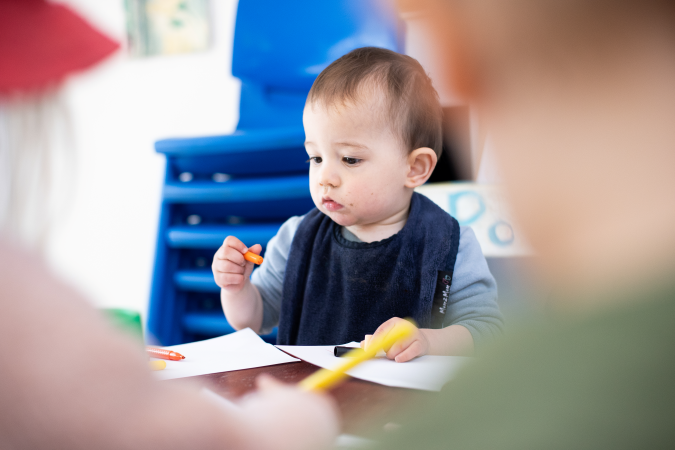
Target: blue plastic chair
x=247 y=183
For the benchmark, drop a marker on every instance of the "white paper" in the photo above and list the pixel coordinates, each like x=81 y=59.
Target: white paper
x=241 y=350
x=428 y=373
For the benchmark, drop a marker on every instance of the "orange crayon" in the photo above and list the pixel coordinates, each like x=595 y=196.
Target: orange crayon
x=164 y=354
x=255 y=259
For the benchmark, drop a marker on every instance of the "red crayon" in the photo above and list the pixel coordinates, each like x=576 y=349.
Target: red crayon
x=164 y=354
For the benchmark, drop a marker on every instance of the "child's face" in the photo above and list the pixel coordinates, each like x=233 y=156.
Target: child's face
x=358 y=167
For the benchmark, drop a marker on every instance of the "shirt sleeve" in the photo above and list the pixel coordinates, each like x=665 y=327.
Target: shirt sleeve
x=473 y=292
x=269 y=277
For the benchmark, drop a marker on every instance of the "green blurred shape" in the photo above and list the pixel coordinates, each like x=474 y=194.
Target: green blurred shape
x=127 y=321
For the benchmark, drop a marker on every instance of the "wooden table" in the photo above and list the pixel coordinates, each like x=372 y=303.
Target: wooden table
x=364 y=405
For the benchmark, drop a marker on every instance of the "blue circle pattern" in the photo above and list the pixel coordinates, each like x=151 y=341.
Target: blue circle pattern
x=493 y=234
x=454 y=198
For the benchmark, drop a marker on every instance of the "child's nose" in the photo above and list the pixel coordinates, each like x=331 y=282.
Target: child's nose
x=329 y=176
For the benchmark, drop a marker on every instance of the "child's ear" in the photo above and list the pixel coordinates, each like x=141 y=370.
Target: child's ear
x=421 y=163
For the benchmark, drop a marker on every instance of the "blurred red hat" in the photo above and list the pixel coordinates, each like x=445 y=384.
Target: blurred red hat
x=42 y=42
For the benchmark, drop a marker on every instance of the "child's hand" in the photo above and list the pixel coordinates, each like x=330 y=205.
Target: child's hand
x=292 y=419
x=404 y=350
x=230 y=270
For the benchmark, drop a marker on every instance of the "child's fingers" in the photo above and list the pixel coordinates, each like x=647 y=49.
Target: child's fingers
x=229 y=254
x=366 y=340
x=413 y=351
x=399 y=346
x=235 y=243
x=383 y=330
x=231 y=243
x=226 y=266
x=228 y=279
x=257 y=248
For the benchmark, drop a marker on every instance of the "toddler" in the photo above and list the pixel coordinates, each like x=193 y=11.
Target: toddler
x=373 y=250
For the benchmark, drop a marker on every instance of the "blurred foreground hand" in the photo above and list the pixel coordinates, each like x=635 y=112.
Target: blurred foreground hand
x=286 y=417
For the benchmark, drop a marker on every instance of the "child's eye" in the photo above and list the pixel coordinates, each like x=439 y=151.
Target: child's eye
x=351 y=161
x=314 y=160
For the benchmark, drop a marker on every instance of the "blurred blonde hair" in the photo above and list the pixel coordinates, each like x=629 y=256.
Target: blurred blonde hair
x=37 y=165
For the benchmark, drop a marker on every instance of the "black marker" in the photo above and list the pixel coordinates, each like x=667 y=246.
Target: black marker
x=342 y=351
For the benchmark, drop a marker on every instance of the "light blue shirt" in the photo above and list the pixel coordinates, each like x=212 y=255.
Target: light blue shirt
x=473 y=292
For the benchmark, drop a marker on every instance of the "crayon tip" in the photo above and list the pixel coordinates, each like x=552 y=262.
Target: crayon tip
x=252 y=257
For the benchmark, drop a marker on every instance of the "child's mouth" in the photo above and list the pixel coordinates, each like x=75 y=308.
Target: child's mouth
x=330 y=204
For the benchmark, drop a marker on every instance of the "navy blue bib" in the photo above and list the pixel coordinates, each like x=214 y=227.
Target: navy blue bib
x=337 y=291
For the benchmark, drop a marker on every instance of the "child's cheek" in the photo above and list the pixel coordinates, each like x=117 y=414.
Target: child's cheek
x=315 y=191
x=364 y=197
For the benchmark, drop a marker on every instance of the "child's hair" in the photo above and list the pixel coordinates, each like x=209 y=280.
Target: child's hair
x=412 y=102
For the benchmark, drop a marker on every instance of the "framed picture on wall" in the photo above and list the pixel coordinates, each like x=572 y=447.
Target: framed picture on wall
x=166 y=27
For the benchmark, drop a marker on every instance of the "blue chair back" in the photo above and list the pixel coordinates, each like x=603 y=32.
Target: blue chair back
x=247 y=183
x=281 y=46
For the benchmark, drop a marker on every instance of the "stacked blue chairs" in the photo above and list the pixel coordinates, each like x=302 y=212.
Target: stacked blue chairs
x=249 y=182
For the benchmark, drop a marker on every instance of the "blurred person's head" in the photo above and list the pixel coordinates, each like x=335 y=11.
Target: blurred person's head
x=40 y=44
x=373 y=133
x=579 y=97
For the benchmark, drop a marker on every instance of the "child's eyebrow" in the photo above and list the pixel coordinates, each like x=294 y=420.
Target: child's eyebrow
x=350 y=144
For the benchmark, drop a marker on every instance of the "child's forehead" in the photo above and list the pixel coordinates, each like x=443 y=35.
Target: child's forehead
x=364 y=125
x=369 y=105
x=365 y=121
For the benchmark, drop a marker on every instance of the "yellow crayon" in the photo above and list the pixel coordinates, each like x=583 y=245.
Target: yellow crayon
x=324 y=378
x=157 y=364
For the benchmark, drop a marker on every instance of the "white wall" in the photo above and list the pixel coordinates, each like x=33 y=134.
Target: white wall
x=105 y=247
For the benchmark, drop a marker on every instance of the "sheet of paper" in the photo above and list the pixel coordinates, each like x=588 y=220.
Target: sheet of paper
x=428 y=373
x=241 y=350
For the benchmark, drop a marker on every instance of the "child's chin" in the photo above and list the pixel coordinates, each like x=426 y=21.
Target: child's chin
x=339 y=218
